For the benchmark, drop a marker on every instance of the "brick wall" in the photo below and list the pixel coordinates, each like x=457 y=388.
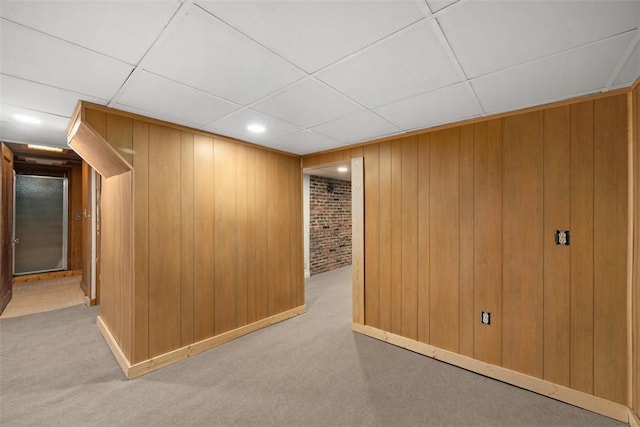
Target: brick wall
x=330 y=224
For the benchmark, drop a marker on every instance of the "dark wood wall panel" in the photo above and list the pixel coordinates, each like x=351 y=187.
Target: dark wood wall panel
x=467 y=313
x=371 y=189
x=557 y=259
x=423 y=238
x=444 y=244
x=409 y=206
x=164 y=238
x=582 y=247
x=187 y=253
x=203 y=242
x=487 y=240
x=141 y=240
x=522 y=270
x=384 y=235
x=610 y=248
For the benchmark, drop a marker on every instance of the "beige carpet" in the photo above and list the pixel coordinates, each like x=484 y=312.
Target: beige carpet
x=311 y=370
x=44 y=295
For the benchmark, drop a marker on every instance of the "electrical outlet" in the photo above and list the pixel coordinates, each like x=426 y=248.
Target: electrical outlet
x=486 y=318
x=563 y=238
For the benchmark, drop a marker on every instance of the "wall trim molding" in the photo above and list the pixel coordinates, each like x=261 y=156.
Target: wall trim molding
x=157 y=362
x=634 y=421
x=564 y=394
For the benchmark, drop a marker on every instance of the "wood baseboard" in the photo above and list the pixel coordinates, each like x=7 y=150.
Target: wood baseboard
x=135 y=370
x=45 y=276
x=634 y=421
x=564 y=394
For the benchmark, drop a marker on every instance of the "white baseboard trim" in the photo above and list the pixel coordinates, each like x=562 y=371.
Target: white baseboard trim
x=135 y=370
x=564 y=394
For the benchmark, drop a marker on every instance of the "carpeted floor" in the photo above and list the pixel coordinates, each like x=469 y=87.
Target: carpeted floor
x=312 y=370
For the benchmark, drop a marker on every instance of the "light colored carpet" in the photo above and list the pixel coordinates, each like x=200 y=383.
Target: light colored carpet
x=44 y=295
x=312 y=370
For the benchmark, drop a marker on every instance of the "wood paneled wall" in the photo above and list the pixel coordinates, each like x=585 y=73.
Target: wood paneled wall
x=635 y=282
x=217 y=234
x=462 y=220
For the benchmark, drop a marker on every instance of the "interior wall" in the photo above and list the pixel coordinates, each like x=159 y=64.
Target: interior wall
x=635 y=97
x=462 y=220
x=217 y=233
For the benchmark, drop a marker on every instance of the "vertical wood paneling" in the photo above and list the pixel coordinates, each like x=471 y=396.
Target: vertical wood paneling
x=557 y=259
x=582 y=246
x=409 y=205
x=272 y=213
x=242 y=237
x=636 y=249
x=187 y=237
x=86 y=229
x=203 y=208
x=384 y=235
x=522 y=328
x=396 y=237
x=467 y=316
x=225 y=206
x=296 y=245
x=141 y=240
x=97 y=120
x=610 y=248
x=444 y=245
x=262 y=235
x=164 y=238
x=371 y=197
x=252 y=242
x=487 y=240
x=75 y=226
x=423 y=238
x=120 y=136
x=282 y=255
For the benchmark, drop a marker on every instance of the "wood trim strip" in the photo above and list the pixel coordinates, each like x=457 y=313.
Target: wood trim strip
x=630 y=249
x=157 y=362
x=546 y=388
x=634 y=421
x=477 y=120
x=357 y=238
x=96 y=151
x=46 y=276
x=109 y=110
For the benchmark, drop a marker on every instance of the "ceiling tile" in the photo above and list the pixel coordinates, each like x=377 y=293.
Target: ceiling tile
x=398 y=67
x=34 y=56
x=321 y=104
x=581 y=71
x=306 y=142
x=358 y=127
x=121 y=29
x=207 y=54
x=325 y=31
x=491 y=36
x=181 y=103
x=446 y=105
x=631 y=69
x=436 y=5
x=235 y=125
x=36 y=96
x=50 y=131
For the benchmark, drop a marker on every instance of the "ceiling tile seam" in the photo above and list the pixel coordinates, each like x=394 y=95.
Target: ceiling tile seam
x=203 y=92
x=622 y=62
x=51 y=86
x=160 y=116
x=551 y=55
x=444 y=42
x=66 y=41
x=273 y=52
x=37 y=111
x=298 y=127
x=175 y=19
x=449 y=8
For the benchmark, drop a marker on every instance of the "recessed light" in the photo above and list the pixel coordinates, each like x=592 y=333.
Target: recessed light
x=256 y=128
x=27 y=119
x=343 y=169
x=44 y=148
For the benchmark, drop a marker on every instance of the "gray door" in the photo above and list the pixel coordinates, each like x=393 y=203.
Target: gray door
x=40 y=224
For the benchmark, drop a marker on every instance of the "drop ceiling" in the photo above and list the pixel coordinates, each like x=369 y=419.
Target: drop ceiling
x=316 y=74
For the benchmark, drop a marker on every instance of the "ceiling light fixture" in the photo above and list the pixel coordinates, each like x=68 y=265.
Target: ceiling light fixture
x=256 y=128
x=27 y=119
x=343 y=169
x=45 y=148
